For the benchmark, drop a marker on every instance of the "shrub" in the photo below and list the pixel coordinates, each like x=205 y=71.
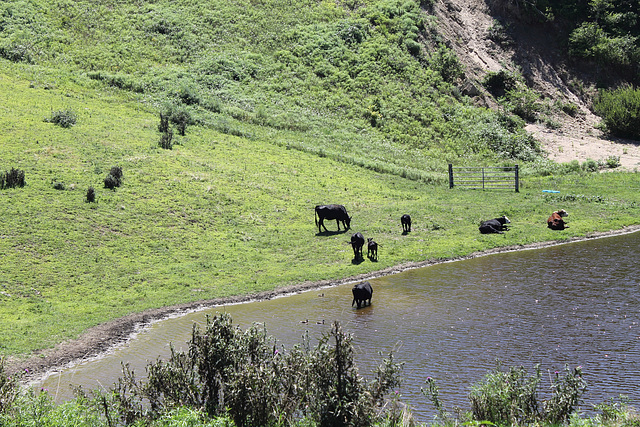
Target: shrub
x=227 y=371
x=590 y=165
x=523 y=103
x=91 y=195
x=9 y=389
x=58 y=185
x=166 y=140
x=620 y=111
x=62 y=118
x=499 y=83
x=12 y=179
x=114 y=178
x=512 y=397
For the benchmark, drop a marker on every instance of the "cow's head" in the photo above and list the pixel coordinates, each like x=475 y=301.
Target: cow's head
x=563 y=213
x=348 y=222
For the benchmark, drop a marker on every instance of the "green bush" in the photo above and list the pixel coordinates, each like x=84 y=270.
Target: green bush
x=12 y=179
x=9 y=389
x=620 y=111
x=242 y=374
x=114 y=178
x=498 y=83
x=91 y=195
x=63 y=118
x=512 y=397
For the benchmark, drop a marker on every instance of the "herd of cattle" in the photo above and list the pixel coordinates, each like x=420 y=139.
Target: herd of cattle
x=362 y=292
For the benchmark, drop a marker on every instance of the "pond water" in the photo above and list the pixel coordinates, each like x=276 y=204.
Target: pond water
x=574 y=304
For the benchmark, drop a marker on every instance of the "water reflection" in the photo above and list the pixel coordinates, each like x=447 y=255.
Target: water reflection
x=573 y=304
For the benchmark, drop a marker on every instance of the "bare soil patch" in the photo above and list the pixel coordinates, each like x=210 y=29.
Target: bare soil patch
x=535 y=53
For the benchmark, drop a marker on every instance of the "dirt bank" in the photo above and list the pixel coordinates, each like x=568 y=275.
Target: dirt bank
x=102 y=338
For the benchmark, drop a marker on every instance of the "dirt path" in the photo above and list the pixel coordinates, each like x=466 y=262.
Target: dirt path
x=103 y=338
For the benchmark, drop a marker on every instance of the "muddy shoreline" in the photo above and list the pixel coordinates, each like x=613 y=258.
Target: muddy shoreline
x=104 y=337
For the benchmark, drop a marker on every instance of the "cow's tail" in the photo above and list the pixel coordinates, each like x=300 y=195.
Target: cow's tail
x=353 y=302
x=316 y=215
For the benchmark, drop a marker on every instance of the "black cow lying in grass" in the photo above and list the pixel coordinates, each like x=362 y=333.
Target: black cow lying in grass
x=362 y=292
x=496 y=225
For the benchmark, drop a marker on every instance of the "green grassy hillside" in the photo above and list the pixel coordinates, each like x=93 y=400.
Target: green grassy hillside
x=289 y=105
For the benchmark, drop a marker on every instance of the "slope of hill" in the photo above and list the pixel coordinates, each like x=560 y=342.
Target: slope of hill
x=287 y=105
x=535 y=51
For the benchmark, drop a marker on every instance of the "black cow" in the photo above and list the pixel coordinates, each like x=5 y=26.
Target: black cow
x=357 y=242
x=496 y=225
x=362 y=292
x=405 y=220
x=372 y=248
x=337 y=212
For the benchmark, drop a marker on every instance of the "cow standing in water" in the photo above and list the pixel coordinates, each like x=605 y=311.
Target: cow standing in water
x=337 y=212
x=405 y=220
x=555 y=221
x=357 y=242
x=362 y=292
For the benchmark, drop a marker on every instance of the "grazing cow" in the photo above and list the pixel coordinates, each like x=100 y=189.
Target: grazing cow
x=357 y=242
x=405 y=220
x=372 y=248
x=555 y=221
x=337 y=212
x=362 y=292
x=496 y=225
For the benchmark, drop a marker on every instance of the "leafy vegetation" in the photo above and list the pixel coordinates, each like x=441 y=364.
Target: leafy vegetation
x=230 y=377
x=620 y=111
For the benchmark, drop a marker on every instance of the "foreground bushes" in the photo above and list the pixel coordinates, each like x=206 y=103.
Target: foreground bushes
x=243 y=374
x=230 y=377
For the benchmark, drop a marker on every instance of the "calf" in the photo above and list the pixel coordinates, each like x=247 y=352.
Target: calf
x=555 y=221
x=405 y=220
x=372 y=249
x=496 y=225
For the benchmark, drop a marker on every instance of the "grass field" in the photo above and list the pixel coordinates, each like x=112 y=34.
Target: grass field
x=218 y=215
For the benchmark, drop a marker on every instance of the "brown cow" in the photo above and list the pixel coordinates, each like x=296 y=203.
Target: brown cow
x=555 y=221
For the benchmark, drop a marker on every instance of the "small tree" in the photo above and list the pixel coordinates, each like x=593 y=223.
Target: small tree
x=12 y=179
x=114 y=179
x=91 y=195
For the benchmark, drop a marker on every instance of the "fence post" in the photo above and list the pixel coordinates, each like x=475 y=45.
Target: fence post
x=450 y=175
x=517 y=179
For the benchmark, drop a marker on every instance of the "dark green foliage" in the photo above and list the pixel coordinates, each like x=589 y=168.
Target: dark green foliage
x=166 y=140
x=114 y=178
x=91 y=195
x=499 y=83
x=245 y=375
x=444 y=61
x=58 y=185
x=513 y=397
x=63 y=118
x=12 y=179
x=620 y=111
x=9 y=389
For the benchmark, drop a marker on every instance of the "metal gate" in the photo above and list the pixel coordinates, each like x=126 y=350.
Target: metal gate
x=485 y=178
